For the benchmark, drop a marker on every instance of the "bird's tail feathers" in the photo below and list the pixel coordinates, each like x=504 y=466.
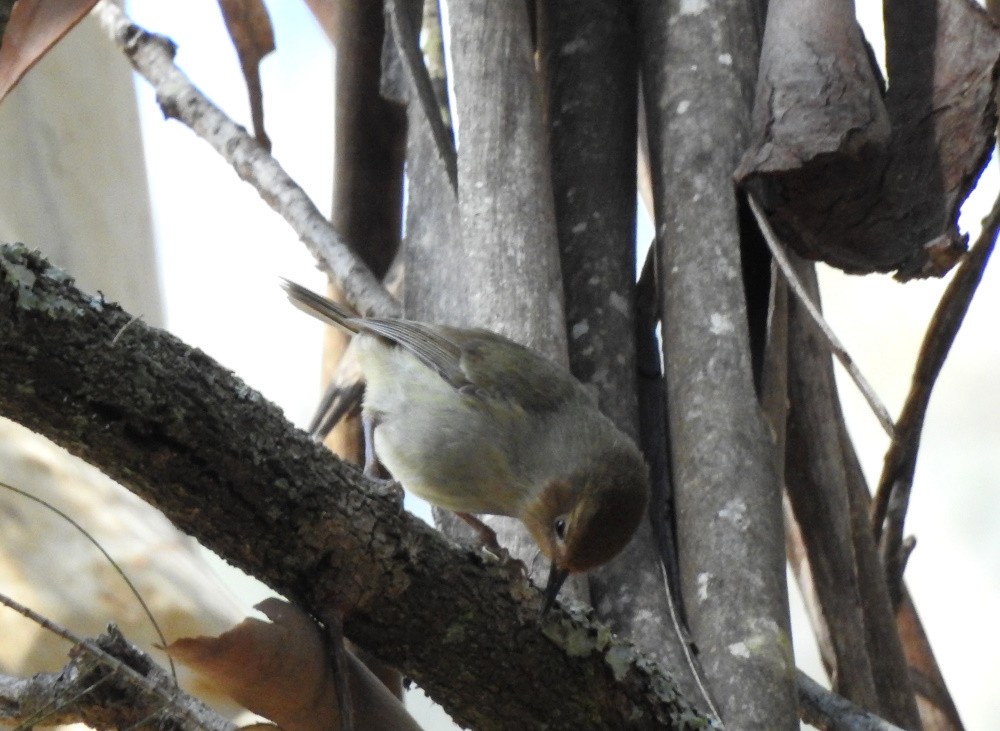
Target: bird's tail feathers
x=319 y=307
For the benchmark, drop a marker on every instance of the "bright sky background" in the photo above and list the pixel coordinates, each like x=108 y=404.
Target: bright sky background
x=222 y=251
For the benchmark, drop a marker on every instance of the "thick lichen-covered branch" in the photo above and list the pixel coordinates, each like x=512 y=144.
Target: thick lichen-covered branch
x=225 y=466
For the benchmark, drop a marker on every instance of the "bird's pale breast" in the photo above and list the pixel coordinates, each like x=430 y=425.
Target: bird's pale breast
x=453 y=452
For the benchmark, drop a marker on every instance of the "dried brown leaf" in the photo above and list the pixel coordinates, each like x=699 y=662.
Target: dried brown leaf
x=34 y=27
x=282 y=670
x=328 y=15
x=276 y=669
x=837 y=187
x=249 y=26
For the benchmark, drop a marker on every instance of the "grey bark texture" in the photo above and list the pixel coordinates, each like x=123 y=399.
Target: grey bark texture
x=824 y=490
x=699 y=63
x=94 y=691
x=223 y=464
x=834 y=713
x=500 y=268
x=590 y=69
x=433 y=250
x=817 y=489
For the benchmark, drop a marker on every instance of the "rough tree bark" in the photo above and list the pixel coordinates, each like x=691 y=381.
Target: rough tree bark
x=500 y=267
x=699 y=63
x=590 y=69
x=224 y=465
x=869 y=665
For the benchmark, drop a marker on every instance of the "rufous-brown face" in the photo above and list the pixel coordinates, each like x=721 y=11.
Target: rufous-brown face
x=585 y=520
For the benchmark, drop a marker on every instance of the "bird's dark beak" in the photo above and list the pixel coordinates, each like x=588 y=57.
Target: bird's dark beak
x=556 y=578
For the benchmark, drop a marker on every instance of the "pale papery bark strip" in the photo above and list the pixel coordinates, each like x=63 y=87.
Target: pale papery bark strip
x=833 y=342
x=406 y=40
x=815 y=482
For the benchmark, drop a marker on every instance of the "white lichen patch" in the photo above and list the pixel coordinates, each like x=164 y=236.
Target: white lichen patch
x=703 y=580
x=619 y=303
x=739 y=649
x=576 y=639
x=734 y=511
x=619 y=659
x=579 y=329
x=693 y=7
x=720 y=324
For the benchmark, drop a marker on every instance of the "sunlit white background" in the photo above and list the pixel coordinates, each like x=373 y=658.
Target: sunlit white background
x=222 y=250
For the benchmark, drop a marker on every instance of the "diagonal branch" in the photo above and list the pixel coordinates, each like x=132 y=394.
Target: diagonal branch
x=836 y=347
x=224 y=465
x=823 y=709
x=153 y=57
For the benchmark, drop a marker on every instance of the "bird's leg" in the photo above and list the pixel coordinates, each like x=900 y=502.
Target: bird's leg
x=487 y=535
x=374 y=470
x=372 y=466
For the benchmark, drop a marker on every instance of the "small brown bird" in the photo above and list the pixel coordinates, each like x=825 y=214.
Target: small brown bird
x=476 y=423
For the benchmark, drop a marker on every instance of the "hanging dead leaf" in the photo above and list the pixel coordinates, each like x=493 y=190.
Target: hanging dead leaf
x=276 y=669
x=863 y=180
x=327 y=14
x=249 y=26
x=281 y=670
x=34 y=27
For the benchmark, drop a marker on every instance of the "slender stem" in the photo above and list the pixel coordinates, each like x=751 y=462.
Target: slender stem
x=895 y=484
x=405 y=37
x=836 y=347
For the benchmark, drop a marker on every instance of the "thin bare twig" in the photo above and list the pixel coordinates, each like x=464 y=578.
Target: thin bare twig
x=126 y=326
x=58 y=703
x=153 y=57
x=830 y=712
x=836 y=347
x=406 y=39
x=114 y=564
x=170 y=695
x=896 y=482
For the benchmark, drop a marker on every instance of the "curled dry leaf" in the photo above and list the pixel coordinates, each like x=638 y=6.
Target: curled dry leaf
x=34 y=27
x=861 y=179
x=249 y=26
x=281 y=670
x=277 y=669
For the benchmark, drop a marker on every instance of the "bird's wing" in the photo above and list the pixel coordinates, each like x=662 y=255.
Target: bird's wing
x=482 y=364
x=507 y=370
x=436 y=350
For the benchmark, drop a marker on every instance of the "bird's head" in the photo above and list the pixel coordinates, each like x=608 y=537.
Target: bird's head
x=584 y=519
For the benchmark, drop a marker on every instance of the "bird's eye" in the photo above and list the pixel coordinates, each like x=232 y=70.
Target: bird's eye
x=560 y=528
